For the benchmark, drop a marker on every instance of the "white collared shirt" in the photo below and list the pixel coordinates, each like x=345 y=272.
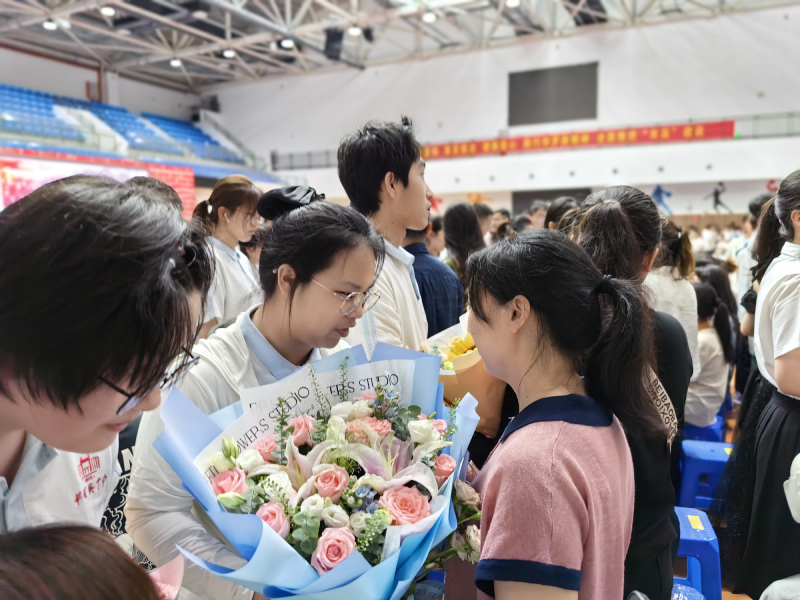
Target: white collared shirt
x=399 y=316
x=777 y=323
x=53 y=486
x=234 y=287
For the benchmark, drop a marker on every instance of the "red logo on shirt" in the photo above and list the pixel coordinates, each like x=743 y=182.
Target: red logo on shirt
x=88 y=467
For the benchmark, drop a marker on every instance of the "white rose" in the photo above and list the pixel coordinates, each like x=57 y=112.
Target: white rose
x=335 y=516
x=344 y=410
x=474 y=541
x=337 y=429
x=249 y=460
x=423 y=432
x=358 y=521
x=279 y=482
x=221 y=462
x=313 y=505
x=362 y=409
x=466 y=494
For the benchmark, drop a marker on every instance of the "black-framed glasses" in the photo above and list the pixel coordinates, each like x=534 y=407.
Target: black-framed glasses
x=353 y=300
x=171 y=377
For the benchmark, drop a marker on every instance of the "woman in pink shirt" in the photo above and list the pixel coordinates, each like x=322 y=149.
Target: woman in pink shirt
x=558 y=489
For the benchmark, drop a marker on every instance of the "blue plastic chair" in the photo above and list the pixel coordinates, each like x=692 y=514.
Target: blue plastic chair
x=712 y=433
x=700 y=547
x=702 y=458
x=682 y=592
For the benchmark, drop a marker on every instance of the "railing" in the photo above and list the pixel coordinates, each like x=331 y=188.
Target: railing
x=774 y=125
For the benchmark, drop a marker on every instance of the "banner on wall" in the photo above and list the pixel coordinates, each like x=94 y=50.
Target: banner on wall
x=625 y=136
x=23 y=171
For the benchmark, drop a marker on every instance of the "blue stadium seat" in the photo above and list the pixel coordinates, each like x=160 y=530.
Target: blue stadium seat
x=202 y=144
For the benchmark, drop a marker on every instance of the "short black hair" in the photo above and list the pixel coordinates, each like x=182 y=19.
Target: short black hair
x=504 y=212
x=414 y=234
x=538 y=205
x=437 y=223
x=482 y=211
x=94 y=278
x=366 y=156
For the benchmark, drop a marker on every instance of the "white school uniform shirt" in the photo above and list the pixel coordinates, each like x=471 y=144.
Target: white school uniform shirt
x=744 y=279
x=399 y=316
x=235 y=286
x=676 y=297
x=53 y=486
x=707 y=391
x=160 y=513
x=777 y=321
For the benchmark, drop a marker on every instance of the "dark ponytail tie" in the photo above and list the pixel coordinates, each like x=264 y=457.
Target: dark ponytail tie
x=605 y=286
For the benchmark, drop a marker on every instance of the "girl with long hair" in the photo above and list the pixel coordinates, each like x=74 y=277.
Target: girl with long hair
x=462 y=236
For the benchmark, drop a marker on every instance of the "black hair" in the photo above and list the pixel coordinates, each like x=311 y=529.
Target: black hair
x=519 y=224
x=366 y=156
x=437 y=223
x=567 y=221
x=619 y=226
x=232 y=192
x=482 y=211
x=755 y=206
x=538 y=205
x=503 y=212
x=775 y=226
x=309 y=238
x=258 y=239
x=710 y=305
x=94 y=280
x=416 y=235
x=603 y=324
x=717 y=277
x=676 y=251
x=462 y=235
x=558 y=208
x=154 y=190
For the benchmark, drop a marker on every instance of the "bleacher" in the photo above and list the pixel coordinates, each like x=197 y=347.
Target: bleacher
x=200 y=143
x=30 y=113
x=134 y=129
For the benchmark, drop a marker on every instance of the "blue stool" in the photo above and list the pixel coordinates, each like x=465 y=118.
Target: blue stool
x=681 y=592
x=712 y=433
x=700 y=547
x=702 y=458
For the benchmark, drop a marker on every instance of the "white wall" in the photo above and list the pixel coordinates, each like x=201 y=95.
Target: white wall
x=18 y=68
x=736 y=64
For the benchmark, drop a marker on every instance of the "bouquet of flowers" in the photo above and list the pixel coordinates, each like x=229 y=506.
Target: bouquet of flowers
x=462 y=372
x=333 y=483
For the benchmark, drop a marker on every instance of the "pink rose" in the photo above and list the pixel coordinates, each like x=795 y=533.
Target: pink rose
x=380 y=426
x=366 y=396
x=331 y=483
x=444 y=466
x=406 y=505
x=265 y=447
x=333 y=547
x=272 y=514
x=230 y=481
x=439 y=425
x=167 y=591
x=303 y=426
x=355 y=434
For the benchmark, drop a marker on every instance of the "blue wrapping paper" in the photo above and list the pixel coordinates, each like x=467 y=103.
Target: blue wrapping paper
x=274 y=568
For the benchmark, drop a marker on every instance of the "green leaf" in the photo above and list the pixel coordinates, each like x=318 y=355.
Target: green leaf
x=414 y=411
x=299 y=535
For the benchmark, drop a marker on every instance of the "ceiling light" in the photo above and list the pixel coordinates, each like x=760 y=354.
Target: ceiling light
x=64 y=24
x=355 y=31
x=429 y=17
x=124 y=31
x=200 y=14
x=512 y=3
x=50 y=25
x=175 y=62
x=108 y=11
x=287 y=44
x=229 y=53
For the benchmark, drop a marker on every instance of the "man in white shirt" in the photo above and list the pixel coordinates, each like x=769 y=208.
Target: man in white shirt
x=384 y=176
x=102 y=287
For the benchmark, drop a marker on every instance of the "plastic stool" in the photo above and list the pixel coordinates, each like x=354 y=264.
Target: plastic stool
x=700 y=547
x=712 y=433
x=682 y=592
x=701 y=458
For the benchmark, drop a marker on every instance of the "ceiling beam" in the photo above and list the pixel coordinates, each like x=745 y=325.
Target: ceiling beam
x=61 y=12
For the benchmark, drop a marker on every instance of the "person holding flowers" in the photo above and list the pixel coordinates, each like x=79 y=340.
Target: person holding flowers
x=558 y=490
x=317 y=268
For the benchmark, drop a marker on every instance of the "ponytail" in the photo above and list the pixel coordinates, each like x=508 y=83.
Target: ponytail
x=605 y=232
x=676 y=251
x=202 y=213
x=710 y=305
x=601 y=322
x=618 y=365
x=775 y=225
x=232 y=192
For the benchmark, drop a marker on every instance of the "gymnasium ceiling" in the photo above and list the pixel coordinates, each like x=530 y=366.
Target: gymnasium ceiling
x=199 y=45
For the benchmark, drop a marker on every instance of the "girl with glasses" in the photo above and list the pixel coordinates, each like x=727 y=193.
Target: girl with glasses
x=230 y=217
x=102 y=286
x=317 y=269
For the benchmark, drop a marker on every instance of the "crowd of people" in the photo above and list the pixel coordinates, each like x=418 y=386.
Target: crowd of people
x=610 y=326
